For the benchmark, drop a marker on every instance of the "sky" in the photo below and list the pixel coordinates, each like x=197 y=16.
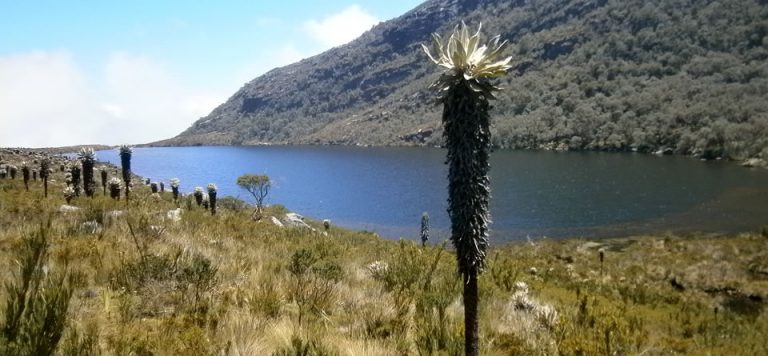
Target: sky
x=129 y=72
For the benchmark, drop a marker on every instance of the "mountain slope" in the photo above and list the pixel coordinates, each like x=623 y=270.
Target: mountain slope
x=684 y=75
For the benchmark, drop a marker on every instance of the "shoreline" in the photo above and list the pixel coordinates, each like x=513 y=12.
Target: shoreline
x=666 y=224
x=751 y=162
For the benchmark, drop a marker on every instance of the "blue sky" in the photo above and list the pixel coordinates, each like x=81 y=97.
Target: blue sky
x=113 y=72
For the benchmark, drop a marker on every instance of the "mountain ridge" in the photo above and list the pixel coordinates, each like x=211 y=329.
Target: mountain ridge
x=682 y=76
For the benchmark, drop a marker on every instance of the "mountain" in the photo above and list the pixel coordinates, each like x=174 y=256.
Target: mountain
x=685 y=76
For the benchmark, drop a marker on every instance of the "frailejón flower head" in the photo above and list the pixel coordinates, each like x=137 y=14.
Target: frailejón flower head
x=466 y=59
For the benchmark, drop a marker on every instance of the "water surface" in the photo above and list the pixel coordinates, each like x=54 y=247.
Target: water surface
x=534 y=194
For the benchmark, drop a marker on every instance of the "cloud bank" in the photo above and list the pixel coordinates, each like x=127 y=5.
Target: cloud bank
x=47 y=99
x=340 y=28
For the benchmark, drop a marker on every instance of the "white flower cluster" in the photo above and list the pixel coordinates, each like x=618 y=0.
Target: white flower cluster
x=377 y=269
x=69 y=192
x=175 y=182
x=114 y=182
x=544 y=313
x=212 y=187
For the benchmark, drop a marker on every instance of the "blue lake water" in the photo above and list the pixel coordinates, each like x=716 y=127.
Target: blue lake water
x=534 y=194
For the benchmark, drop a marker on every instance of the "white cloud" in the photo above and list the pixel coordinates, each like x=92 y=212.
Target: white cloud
x=47 y=100
x=340 y=28
x=44 y=100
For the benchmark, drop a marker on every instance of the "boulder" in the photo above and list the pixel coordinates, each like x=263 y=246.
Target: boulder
x=64 y=208
x=295 y=220
x=174 y=215
x=664 y=151
x=277 y=222
x=754 y=162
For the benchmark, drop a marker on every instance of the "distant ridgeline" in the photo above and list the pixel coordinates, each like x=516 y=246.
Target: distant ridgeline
x=683 y=76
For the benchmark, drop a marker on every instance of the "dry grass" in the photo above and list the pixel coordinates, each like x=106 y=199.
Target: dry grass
x=698 y=294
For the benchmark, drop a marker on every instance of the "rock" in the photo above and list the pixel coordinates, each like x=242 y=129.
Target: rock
x=664 y=151
x=754 y=162
x=295 y=220
x=419 y=136
x=91 y=227
x=277 y=222
x=174 y=215
x=64 y=208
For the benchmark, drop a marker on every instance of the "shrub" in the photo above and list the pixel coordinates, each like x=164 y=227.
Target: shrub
x=175 y=188
x=198 y=194
x=75 y=170
x=87 y=159
x=37 y=301
x=125 y=162
x=313 y=282
x=212 y=191
x=231 y=203
x=114 y=188
x=104 y=179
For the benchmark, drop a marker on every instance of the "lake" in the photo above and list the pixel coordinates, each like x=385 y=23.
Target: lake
x=534 y=193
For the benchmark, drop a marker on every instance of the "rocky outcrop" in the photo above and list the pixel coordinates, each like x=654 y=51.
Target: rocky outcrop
x=296 y=221
x=755 y=162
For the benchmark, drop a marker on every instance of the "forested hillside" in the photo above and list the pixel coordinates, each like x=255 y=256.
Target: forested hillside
x=677 y=75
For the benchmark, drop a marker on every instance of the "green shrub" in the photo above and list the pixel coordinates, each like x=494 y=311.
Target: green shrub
x=313 y=282
x=267 y=299
x=232 y=203
x=133 y=275
x=37 y=300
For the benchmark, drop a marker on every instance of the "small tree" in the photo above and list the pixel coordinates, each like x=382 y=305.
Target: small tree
x=212 y=191
x=198 y=194
x=87 y=159
x=104 y=179
x=424 y=228
x=25 y=174
x=175 y=182
x=75 y=170
x=114 y=188
x=465 y=90
x=45 y=169
x=125 y=161
x=258 y=186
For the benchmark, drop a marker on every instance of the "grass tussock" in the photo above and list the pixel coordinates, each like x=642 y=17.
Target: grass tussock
x=116 y=277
